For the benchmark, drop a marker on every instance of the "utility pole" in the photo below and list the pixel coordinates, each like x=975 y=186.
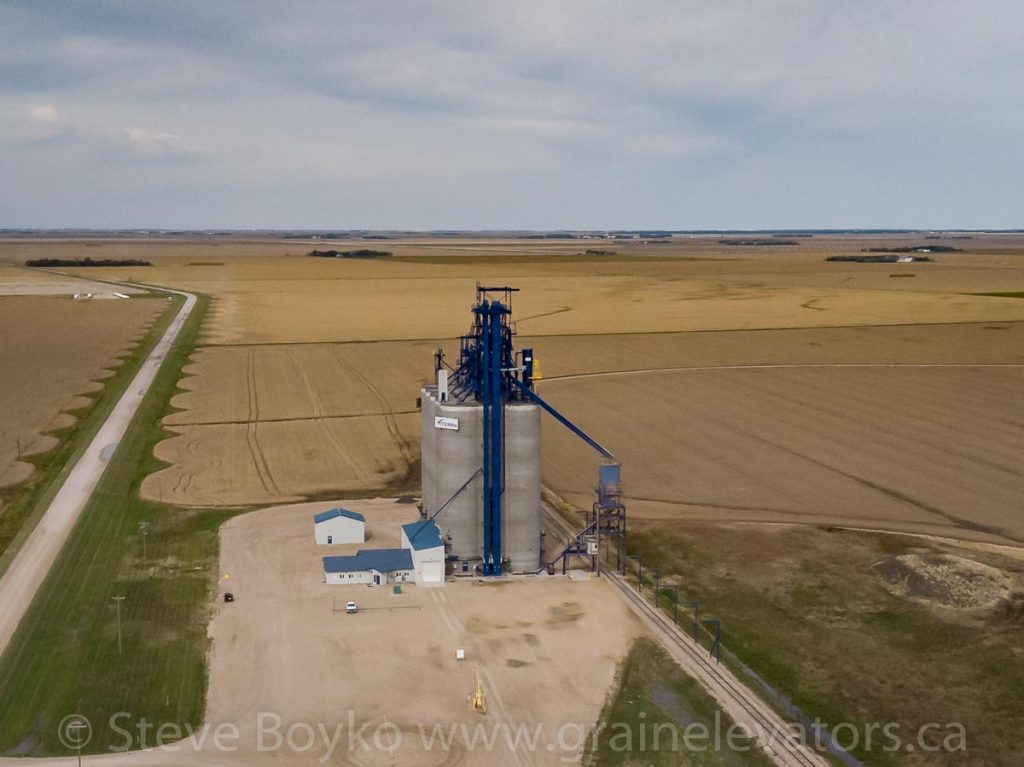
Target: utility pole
x=716 y=647
x=119 y=600
x=696 y=617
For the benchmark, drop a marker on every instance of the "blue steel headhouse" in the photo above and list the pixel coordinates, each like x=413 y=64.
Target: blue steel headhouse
x=486 y=371
x=490 y=372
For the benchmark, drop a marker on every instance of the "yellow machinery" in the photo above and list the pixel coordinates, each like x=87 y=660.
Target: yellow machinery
x=477 y=698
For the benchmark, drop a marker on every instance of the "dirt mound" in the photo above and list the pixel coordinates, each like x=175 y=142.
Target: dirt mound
x=945 y=580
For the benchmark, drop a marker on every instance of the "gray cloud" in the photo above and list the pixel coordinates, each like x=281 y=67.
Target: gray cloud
x=529 y=114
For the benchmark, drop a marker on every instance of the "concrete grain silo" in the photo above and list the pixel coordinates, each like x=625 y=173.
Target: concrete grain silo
x=521 y=518
x=454 y=457
x=452 y=460
x=481 y=455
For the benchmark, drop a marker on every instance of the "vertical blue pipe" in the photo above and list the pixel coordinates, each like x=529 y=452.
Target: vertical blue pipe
x=483 y=363
x=492 y=353
x=497 y=431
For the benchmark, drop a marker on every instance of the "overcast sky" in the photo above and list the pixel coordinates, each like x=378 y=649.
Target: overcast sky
x=516 y=114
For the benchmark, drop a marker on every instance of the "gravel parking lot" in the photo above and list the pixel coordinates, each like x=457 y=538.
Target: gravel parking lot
x=545 y=649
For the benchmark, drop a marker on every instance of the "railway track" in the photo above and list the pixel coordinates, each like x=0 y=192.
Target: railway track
x=770 y=729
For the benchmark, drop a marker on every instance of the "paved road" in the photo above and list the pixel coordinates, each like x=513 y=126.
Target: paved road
x=26 y=573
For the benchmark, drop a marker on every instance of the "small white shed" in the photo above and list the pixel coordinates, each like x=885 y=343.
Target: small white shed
x=423 y=540
x=339 y=526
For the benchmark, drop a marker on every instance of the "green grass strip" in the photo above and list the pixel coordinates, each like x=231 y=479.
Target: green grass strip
x=658 y=715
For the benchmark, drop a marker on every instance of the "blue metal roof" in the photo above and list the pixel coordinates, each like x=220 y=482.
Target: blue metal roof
x=383 y=560
x=423 y=534
x=325 y=515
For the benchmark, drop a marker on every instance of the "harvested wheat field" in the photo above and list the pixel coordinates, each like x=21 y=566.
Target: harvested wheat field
x=417 y=308
x=265 y=462
x=294 y=382
x=968 y=343
x=306 y=381
x=16 y=280
x=267 y=292
x=54 y=353
x=271 y=423
x=923 y=449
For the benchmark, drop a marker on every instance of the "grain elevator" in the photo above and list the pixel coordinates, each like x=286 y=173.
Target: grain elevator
x=481 y=449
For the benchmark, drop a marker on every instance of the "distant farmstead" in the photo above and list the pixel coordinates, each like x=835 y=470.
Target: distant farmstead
x=339 y=526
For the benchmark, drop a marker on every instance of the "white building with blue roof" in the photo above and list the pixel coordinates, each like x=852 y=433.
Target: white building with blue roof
x=339 y=526
x=376 y=567
x=423 y=540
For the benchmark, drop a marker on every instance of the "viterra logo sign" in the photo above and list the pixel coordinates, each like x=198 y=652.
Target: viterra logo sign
x=451 y=424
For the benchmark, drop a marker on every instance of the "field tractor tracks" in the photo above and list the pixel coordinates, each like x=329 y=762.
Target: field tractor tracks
x=252 y=438
x=317 y=405
x=893 y=493
x=812 y=304
x=552 y=313
x=386 y=410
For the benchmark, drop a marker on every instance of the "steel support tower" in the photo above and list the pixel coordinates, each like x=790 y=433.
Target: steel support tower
x=490 y=372
x=486 y=367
